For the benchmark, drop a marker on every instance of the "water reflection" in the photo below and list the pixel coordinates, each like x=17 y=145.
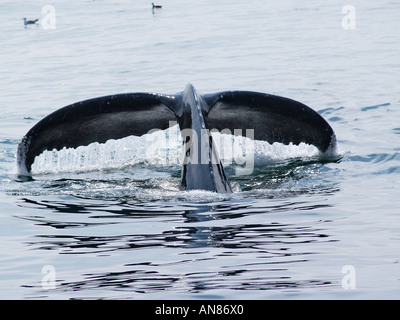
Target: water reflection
x=185 y=247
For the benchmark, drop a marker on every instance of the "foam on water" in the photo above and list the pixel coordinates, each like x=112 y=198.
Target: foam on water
x=165 y=148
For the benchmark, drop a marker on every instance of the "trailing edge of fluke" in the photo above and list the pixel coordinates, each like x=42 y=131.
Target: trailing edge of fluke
x=273 y=119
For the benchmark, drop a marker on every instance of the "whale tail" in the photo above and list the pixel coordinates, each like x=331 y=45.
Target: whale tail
x=94 y=120
x=273 y=119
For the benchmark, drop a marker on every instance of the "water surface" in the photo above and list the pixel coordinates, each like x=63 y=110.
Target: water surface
x=126 y=231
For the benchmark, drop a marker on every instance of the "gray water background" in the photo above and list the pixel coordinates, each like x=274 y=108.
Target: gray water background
x=129 y=233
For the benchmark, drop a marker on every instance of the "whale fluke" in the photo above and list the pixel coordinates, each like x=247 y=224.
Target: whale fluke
x=273 y=119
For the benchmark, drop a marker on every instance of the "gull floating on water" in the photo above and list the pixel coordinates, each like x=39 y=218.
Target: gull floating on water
x=27 y=22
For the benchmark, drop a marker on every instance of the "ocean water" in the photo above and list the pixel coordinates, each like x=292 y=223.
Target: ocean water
x=110 y=222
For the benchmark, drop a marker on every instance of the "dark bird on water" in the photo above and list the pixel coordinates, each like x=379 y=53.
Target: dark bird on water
x=156 y=6
x=27 y=22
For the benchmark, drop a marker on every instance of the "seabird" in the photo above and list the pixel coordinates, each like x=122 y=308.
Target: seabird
x=26 y=22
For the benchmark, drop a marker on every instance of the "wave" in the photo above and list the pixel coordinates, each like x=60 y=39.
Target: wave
x=377 y=157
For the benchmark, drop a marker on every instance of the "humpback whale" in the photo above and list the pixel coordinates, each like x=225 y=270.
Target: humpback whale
x=273 y=119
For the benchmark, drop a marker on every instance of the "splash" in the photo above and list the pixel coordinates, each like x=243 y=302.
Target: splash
x=164 y=148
